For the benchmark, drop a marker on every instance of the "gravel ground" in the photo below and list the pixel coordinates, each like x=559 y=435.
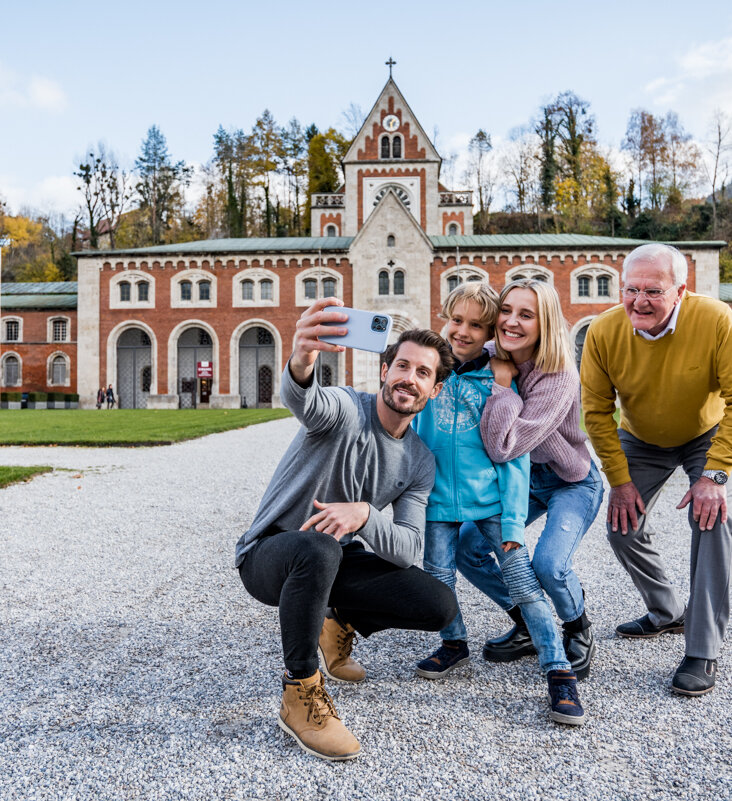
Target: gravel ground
x=134 y=666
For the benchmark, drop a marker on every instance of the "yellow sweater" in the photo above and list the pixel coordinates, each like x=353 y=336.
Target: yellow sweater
x=671 y=390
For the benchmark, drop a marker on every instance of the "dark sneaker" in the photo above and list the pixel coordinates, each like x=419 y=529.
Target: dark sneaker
x=564 y=698
x=694 y=676
x=642 y=628
x=580 y=648
x=451 y=654
x=510 y=646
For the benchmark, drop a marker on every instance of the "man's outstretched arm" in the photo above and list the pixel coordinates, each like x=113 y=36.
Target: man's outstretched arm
x=306 y=346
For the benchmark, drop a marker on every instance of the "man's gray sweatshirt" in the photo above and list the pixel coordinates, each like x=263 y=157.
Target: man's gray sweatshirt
x=342 y=454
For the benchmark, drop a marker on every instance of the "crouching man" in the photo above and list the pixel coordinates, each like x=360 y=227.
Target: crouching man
x=354 y=455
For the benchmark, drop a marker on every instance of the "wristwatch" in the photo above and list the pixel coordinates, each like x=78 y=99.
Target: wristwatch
x=717 y=476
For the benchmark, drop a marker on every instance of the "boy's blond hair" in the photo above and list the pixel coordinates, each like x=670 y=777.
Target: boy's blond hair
x=483 y=294
x=553 y=353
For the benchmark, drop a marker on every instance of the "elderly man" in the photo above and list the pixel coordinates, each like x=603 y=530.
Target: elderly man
x=354 y=455
x=666 y=353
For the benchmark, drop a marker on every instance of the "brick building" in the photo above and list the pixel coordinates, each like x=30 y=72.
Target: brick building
x=38 y=329
x=210 y=323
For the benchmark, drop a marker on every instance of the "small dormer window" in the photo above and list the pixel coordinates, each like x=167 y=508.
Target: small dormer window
x=385 y=149
x=396 y=147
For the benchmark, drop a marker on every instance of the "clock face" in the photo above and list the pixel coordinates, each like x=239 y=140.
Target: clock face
x=391 y=123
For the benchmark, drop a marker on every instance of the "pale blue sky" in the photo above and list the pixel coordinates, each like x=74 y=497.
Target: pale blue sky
x=75 y=73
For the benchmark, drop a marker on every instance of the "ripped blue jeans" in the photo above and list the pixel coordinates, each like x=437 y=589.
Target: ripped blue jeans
x=445 y=547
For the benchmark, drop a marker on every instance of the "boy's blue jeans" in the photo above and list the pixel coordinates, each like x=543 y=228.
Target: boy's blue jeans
x=570 y=510
x=443 y=546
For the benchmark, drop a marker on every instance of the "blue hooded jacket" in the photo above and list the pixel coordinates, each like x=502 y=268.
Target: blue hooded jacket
x=468 y=485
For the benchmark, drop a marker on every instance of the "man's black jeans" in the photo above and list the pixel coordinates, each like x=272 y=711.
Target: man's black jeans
x=304 y=572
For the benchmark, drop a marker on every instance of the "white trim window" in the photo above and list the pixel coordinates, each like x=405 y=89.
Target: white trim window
x=58 y=370
x=58 y=329
x=455 y=276
x=12 y=330
x=593 y=283
x=530 y=271
x=317 y=282
x=132 y=289
x=256 y=286
x=11 y=370
x=193 y=289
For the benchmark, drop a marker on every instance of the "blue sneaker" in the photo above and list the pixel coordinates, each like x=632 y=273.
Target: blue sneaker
x=564 y=698
x=451 y=654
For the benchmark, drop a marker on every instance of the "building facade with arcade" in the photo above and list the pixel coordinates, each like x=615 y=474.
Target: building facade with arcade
x=210 y=323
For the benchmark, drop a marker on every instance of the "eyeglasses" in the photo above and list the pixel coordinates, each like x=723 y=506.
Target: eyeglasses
x=651 y=294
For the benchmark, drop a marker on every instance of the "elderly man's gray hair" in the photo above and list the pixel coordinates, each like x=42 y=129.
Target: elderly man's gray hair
x=655 y=251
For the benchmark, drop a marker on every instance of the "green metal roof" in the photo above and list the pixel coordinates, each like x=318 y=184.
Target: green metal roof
x=37 y=301
x=725 y=292
x=253 y=245
x=552 y=240
x=301 y=244
x=39 y=288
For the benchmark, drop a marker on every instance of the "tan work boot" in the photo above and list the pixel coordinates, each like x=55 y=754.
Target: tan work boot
x=308 y=714
x=334 y=647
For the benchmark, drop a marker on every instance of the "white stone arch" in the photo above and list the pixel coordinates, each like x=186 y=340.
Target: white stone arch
x=173 y=354
x=238 y=333
x=575 y=331
x=133 y=277
x=49 y=368
x=112 y=341
x=594 y=271
x=3 y=333
x=5 y=356
x=318 y=273
x=530 y=271
x=401 y=322
x=465 y=271
x=195 y=276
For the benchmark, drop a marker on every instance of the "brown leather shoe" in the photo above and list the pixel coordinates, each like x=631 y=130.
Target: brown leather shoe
x=334 y=647
x=308 y=714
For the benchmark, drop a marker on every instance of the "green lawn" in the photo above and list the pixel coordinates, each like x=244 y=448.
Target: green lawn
x=10 y=475
x=122 y=426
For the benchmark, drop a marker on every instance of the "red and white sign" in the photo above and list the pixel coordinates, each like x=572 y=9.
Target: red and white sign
x=205 y=370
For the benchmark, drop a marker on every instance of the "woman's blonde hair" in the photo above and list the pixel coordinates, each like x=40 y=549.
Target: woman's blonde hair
x=483 y=294
x=553 y=353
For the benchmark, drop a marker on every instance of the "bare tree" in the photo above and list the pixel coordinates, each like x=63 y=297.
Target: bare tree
x=717 y=162
x=520 y=165
x=353 y=119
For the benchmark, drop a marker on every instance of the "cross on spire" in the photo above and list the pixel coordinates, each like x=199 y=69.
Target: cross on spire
x=390 y=63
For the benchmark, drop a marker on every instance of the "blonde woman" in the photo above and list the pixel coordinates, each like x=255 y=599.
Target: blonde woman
x=532 y=347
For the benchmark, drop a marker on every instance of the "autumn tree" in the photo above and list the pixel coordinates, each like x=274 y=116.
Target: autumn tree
x=160 y=184
x=266 y=149
x=293 y=157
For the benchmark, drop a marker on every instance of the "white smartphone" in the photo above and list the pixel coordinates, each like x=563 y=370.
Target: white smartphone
x=366 y=330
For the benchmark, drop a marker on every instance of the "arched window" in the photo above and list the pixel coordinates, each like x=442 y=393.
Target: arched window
x=204 y=290
x=331 y=230
x=583 y=286
x=475 y=277
x=385 y=147
x=603 y=286
x=124 y=290
x=452 y=229
x=398 y=282
x=519 y=277
x=266 y=289
x=453 y=282
x=186 y=289
x=310 y=285
x=247 y=290
x=58 y=370
x=539 y=277
x=390 y=241
x=383 y=282
x=11 y=371
x=143 y=291
x=329 y=287
x=396 y=147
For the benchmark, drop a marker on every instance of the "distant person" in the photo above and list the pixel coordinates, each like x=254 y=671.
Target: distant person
x=666 y=353
x=495 y=496
x=101 y=397
x=532 y=347
x=110 y=397
x=355 y=454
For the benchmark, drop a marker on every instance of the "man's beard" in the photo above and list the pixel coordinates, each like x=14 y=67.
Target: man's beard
x=417 y=405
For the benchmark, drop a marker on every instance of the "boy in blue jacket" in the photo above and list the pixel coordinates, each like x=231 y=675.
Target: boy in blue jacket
x=470 y=487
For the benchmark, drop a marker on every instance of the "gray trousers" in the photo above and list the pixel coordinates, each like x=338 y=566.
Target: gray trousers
x=707 y=613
